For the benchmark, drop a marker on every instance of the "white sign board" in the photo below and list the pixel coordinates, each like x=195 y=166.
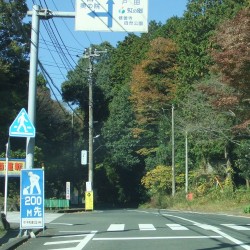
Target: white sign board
x=88 y=186
x=67 y=190
x=112 y=15
x=84 y=157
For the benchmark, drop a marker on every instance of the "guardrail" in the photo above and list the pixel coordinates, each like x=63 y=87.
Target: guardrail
x=56 y=203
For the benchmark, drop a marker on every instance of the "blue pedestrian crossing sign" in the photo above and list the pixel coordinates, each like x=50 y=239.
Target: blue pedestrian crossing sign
x=22 y=126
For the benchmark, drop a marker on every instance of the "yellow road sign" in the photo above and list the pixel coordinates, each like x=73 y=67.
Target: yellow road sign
x=89 y=200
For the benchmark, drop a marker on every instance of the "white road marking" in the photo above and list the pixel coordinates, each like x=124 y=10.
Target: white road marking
x=61 y=242
x=239 y=228
x=158 y=238
x=214 y=229
x=80 y=246
x=66 y=224
x=147 y=227
x=69 y=236
x=238 y=242
x=116 y=227
x=84 y=232
x=206 y=227
x=176 y=227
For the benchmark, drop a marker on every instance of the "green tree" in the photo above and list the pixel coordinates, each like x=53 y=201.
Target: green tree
x=122 y=164
x=13 y=64
x=194 y=31
x=242 y=161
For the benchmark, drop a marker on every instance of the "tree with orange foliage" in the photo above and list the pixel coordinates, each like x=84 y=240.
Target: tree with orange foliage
x=153 y=80
x=233 y=53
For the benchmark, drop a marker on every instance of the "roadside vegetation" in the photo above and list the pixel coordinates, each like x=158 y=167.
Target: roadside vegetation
x=198 y=63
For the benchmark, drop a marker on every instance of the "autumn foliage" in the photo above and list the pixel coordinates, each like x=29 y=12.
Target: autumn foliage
x=153 y=80
x=233 y=53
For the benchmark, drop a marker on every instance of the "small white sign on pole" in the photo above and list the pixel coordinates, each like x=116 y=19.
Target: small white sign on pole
x=112 y=15
x=67 y=190
x=88 y=186
x=84 y=157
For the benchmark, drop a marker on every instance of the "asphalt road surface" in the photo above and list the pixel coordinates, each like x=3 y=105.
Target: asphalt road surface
x=143 y=230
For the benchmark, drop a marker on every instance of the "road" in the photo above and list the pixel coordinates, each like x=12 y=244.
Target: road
x=143 y=229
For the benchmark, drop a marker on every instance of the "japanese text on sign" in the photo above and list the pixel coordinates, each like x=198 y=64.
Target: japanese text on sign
x=112 y=15
x=14 y=167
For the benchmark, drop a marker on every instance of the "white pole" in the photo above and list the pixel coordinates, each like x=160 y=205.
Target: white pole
x=30 y=143
x=6 y=177
x=173 y=154
x=186 y=161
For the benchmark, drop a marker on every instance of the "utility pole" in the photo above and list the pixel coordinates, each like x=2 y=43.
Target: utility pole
x=186 y=161
x=30 y=143
x=173 y=154
x=37 y=13
x=90 y=55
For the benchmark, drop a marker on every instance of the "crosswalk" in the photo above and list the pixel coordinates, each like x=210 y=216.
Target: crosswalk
x=176 y=227
x=77 y=240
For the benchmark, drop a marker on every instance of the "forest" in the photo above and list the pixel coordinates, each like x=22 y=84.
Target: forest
x=189 y=75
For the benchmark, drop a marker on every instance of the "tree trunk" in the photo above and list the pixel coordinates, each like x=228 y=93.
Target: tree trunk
x=247 y=183
x=1 y=221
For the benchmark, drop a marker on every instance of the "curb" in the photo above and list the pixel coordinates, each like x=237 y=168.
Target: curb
x=13 y=243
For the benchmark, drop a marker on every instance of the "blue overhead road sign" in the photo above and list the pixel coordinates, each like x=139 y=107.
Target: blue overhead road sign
x=22 y=126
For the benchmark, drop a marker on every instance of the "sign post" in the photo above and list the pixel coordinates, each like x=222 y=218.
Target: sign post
x=32 y=199
x=6 y=177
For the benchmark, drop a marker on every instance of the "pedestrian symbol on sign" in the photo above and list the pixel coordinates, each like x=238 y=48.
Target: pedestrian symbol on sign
x=21 y=120
x=22 y=126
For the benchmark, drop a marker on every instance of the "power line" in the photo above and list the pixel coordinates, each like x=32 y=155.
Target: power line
x=47 y=77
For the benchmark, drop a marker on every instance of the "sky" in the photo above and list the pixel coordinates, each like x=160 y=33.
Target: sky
x=60 y=46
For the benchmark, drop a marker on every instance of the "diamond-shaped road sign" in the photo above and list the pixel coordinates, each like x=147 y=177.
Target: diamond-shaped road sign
x=22 y=126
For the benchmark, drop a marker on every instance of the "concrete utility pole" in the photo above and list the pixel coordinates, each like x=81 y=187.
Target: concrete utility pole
x=30 y=144
x=186 y=162
x=90 y=55
x=37 y=13
x=173 y=154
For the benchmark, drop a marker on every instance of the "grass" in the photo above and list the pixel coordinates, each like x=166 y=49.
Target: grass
x=237 y=202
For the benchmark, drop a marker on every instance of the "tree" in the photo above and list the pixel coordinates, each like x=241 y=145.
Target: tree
x=153 y=80
x=59 y=135
x=122 y=164
x=232 y=55
x=13 y=64
x=193 y=34
x=208 y=128
x=242 y=162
